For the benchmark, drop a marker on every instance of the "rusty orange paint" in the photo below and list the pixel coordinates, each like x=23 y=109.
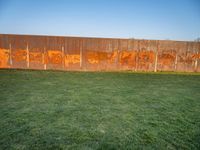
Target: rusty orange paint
x=95 y=57
x=71 y=59
x=146 y=56
x=188 y=58
x=112 y=57
x=196 y=56
x=146 y=59
x=4 y=58
x=54 y=57
x=19 y=55
x=167 y=58
x=128 y=58
x=36 y=57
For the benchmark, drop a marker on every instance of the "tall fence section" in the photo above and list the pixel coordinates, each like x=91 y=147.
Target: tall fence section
x=97 y=54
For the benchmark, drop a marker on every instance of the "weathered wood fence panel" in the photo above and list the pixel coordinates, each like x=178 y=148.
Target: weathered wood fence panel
x=97 y=54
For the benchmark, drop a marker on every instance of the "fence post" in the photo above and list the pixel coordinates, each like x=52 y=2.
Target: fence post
x=176 y=59
x=10 y=58
x=63 y=57
x=44 y=59
x=196 y=62
x=81 y=54
x=137 y=56
x=27 y=55
x=156 y=59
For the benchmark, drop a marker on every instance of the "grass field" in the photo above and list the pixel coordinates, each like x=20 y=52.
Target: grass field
x=88 y=110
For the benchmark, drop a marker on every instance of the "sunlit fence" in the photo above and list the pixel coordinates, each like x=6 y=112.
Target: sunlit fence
x=97 y=54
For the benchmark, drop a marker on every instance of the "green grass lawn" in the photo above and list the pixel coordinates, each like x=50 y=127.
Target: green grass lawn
x=102 y=110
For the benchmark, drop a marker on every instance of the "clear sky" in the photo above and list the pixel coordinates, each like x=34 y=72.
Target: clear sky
x=143 y=19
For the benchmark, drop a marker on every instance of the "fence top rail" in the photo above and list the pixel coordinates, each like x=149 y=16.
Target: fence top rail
x=103 y=38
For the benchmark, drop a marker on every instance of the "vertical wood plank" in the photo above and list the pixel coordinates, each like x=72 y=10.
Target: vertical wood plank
x=156 y=59
x=27 y=55
x=10 y=52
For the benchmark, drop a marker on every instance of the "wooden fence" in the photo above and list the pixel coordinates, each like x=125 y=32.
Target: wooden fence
x=97 y=54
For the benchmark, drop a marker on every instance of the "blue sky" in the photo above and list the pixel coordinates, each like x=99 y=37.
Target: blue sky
x=143 y=19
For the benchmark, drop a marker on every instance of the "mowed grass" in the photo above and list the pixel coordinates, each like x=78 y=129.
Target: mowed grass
x=98 y=110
